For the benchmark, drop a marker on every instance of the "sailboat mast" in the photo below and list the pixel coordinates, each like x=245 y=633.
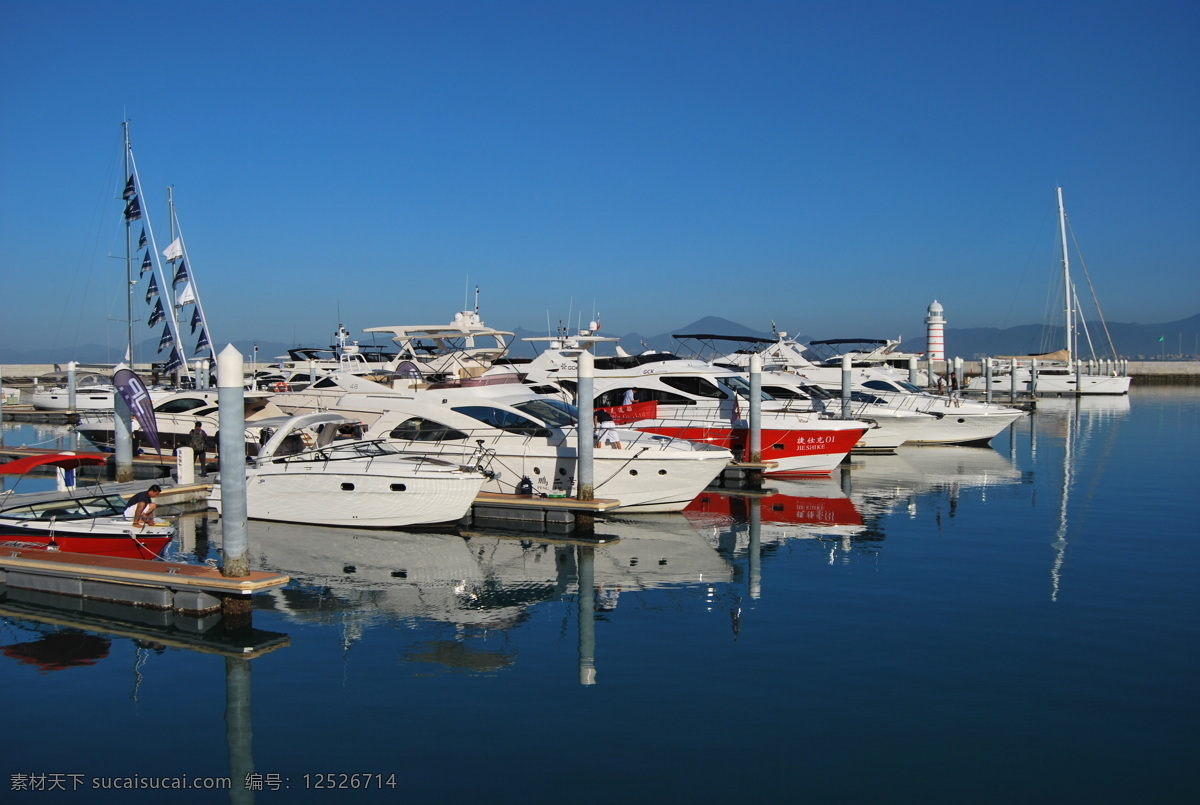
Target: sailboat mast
x=171 y=235
x=1068 y=291
x=128 y=258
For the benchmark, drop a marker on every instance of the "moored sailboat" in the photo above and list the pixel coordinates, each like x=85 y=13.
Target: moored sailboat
x=1063 y=371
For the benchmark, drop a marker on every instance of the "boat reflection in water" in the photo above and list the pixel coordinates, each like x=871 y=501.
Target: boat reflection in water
x=477 y=584
x=470 y=580
x=847 y=511
x=1079 y=426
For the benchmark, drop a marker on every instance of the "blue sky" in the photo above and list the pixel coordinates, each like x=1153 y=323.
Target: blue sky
x=830 y=166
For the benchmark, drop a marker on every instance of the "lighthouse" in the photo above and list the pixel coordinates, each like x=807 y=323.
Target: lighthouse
x=935 y=333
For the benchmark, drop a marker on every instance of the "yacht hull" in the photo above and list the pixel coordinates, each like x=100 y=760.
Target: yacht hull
x=371 y=499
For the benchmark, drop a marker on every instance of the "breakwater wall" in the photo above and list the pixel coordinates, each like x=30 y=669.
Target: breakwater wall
x=1142 y=373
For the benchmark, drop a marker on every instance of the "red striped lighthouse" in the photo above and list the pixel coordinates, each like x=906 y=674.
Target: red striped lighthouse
x=935 y=333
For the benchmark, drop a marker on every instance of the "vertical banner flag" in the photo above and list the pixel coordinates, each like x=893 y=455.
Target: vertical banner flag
x=133 y=391
x=156 y=315
x=175 y=361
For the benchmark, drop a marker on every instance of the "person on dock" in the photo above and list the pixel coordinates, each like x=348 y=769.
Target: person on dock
x=199 y=445
x=141 y=507
x=606 y=429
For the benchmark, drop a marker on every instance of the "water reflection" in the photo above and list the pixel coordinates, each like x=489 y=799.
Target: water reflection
x=849 y=510
x=472 y=581
x=1084 y=429
x=73 y=633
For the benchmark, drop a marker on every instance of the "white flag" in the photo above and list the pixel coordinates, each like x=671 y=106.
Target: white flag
x=186 y=296
x=174 y=251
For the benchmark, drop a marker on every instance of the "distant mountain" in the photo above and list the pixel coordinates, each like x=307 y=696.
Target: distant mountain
x=1132 y=341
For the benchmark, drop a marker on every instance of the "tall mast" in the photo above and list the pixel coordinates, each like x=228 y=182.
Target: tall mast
x=1068 y=292
x=128 y=257
x=174 y=311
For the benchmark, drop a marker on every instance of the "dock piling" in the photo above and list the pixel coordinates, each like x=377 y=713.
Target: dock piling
x=235 y=610
x=846 y=386
x=755 y=408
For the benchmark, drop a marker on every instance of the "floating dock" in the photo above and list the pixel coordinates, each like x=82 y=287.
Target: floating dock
x=186 y=589
x=27 y=413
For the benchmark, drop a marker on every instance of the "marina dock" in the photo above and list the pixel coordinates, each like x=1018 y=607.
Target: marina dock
x=187 y=589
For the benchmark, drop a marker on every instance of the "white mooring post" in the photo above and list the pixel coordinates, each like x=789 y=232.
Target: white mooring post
x=231 y=448
x=585 y=556
x=912 y=369
x=755 y=408
x=584 y=400
x=71 y=390
x=846 y=369
x=122 y=436
x=185 y=465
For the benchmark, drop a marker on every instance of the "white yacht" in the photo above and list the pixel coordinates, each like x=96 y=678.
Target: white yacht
x=528 y=442
x=308 y=473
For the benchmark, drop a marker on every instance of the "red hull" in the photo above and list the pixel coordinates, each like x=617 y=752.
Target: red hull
x=786 y=509
x=121 y=547
x=777 y=445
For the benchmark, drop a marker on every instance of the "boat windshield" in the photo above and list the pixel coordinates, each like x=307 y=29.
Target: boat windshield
x=555 y=413
x=893 y=385
x=70 y=509
x=742 y=387
x=502 y=419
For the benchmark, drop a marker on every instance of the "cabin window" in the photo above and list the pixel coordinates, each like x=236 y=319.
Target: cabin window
x=616 y=397
x=180 y=405
x=325 y=383
x=696 y=386
x=418 y=429
x=507 y=421
x=555 y=413
x=399 y=487
x=347 y=487
x=784 y=393
x=741 y=387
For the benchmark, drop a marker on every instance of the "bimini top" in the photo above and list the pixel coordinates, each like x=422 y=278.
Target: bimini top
x=67 y=461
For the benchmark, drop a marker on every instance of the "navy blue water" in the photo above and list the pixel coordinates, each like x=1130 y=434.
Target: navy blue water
x=1014 y=623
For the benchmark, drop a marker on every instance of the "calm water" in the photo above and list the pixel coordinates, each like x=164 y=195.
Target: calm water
x=946 y=625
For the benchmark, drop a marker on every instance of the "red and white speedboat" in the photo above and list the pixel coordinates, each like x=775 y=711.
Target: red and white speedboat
x=65 y=520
